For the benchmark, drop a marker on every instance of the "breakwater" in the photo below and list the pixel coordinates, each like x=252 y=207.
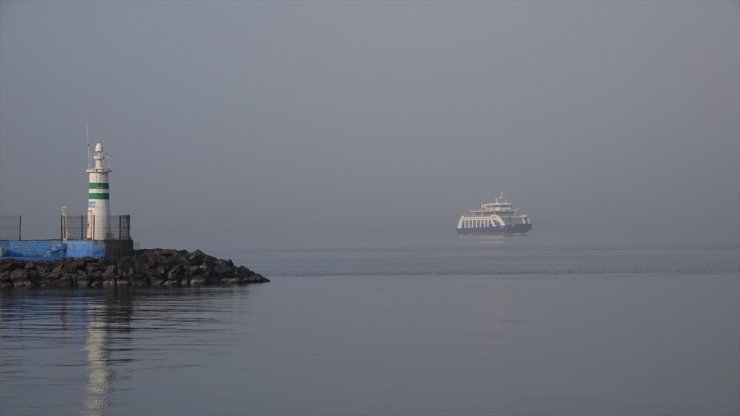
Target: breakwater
x=149 y=267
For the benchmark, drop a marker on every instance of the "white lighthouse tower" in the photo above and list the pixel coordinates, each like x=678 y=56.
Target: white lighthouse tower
x=98 y=196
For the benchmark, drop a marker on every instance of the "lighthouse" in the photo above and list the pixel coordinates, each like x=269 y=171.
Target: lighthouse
x=98 y=196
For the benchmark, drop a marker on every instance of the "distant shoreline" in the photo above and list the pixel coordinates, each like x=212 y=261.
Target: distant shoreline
x=148 y=267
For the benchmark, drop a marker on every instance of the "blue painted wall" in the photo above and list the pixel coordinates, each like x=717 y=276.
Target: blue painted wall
x=51 y=249
x=85 y=248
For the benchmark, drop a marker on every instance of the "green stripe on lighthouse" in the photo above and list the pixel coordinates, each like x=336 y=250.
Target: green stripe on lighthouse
x=97 y=185
x=98 y=196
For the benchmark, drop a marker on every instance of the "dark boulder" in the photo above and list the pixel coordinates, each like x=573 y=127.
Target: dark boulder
x=109 y=271
x=18 y=274
x=154 y=267
x=72 y=266
x=22 y=283
x=7 y=265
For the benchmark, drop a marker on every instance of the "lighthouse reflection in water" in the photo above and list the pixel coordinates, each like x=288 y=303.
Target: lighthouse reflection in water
x=450 y=328
x=98 y=355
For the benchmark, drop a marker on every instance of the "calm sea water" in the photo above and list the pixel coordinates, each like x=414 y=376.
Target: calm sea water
x=434 y=326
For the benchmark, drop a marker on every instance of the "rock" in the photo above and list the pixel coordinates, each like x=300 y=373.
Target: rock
x=197 y=281
x=71 y=266
x=255 y=278
x=74 y=280
x=50 y=275
x=138 y=281
x=242 y=271
x=152 y=273
x=196 y=257
x=156 y=267
x=125 y=262
x=7 y=265
x=222 y=268
x=166 y=258
x=175 y=271
x=34 y=277
x=63 y=281
x=209 y=261
x=110 y=271
x=59 y=268
x=140 y=264
x=94 y=280
x=18 y=274
x=22 y=283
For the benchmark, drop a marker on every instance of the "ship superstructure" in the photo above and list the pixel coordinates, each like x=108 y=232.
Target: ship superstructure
x=494 y=218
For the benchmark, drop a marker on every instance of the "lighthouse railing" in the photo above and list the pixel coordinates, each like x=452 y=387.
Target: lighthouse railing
x=11 y=227
x=84 y=227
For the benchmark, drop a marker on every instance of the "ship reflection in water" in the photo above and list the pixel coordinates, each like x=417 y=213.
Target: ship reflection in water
x=470 y=326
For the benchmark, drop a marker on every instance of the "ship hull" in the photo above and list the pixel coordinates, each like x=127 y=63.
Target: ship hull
x=507 y=230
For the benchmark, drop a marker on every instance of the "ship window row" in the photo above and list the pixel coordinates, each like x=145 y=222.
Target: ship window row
x=476 y=223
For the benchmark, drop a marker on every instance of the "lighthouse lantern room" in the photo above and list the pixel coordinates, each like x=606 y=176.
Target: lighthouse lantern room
x=98 y=196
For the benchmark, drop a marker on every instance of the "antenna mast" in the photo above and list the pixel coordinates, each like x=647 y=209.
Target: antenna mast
x=87 y=137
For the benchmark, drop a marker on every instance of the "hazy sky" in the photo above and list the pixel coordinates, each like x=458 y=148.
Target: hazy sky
x=381 y=116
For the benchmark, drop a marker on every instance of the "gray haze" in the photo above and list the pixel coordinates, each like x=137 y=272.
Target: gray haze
x=330 y=117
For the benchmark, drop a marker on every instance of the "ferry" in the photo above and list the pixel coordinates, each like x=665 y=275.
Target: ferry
x=494 y=218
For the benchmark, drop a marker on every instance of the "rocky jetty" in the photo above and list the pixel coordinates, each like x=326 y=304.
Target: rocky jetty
x=151 y=267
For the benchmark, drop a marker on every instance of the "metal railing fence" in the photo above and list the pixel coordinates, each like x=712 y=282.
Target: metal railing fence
x=83 y=227
x=10 y=227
